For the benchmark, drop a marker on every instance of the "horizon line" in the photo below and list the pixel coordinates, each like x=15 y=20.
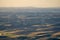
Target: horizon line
x=29 y=7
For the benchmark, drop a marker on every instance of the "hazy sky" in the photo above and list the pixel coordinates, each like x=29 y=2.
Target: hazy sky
x=30 y=3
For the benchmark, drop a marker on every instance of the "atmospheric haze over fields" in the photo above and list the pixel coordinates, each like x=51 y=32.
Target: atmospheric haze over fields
x=30 y=3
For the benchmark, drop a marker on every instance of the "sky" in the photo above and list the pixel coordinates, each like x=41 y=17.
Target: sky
x=30 y=3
